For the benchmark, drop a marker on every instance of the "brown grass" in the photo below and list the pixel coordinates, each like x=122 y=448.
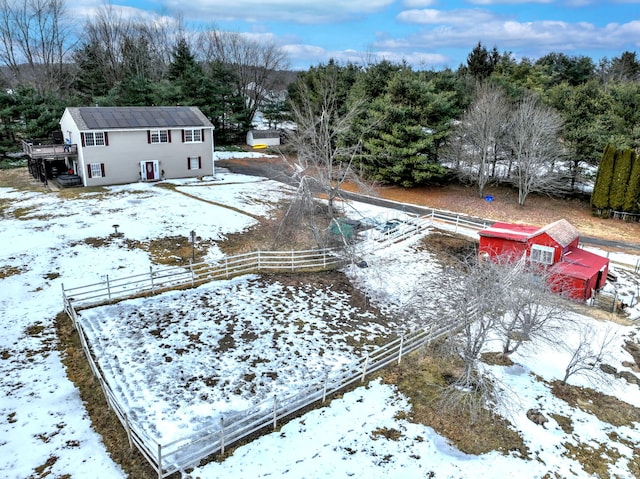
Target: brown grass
x=102 y=418
x=423 y=377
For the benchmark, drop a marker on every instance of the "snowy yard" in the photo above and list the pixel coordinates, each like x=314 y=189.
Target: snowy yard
x=184 y=358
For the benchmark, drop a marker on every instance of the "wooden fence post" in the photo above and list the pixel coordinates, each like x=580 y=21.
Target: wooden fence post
x=364 y=368
x=324 y=387
x=153 y=289
x=222 y=435
x=127 y=427
x=159 y=461
x=108 y=288
x=275 y=412
x=191 y=269
x=400 y=352
x=292 y=261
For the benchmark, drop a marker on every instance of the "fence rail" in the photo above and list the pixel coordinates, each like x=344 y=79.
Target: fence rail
x=158 y=280
x=187 y=452
x=179 y=455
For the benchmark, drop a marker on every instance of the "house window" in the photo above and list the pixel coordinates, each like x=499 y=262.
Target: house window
x=95 y=170
x=159 y=136
x=95 y=138
x=541 y=254
x=194 y=163
x=193 y=136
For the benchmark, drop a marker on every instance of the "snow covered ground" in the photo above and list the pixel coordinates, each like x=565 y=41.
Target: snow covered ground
x=45 y=428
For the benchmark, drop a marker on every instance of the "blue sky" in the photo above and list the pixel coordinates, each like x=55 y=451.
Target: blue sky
x=426 y=33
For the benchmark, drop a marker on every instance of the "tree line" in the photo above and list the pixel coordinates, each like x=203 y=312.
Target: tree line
x=49 y=61
x=541 y=126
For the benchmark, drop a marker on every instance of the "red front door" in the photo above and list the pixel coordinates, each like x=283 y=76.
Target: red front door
x=149 y=169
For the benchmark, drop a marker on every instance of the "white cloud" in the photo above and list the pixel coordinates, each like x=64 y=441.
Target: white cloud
x=465 y=27
x=278 y=10
x=432 y=16
x=419 y=3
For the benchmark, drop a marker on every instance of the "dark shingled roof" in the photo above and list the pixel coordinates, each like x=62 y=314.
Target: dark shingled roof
x=132 y=117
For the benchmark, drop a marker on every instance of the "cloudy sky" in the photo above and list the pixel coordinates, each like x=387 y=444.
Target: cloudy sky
x=425 y=33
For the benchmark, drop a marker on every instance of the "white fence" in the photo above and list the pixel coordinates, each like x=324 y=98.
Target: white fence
x=177 y=456
x=187 y=452
x=164 y=279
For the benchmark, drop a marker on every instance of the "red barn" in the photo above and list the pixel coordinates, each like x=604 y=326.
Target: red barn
x=572 y=270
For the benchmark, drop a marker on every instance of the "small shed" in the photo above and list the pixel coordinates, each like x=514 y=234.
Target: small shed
x=263 y=137
x=555 y=247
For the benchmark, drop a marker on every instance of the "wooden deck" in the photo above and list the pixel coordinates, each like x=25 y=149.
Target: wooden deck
x=41 y=150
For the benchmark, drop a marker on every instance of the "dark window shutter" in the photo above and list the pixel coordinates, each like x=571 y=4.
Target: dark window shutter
x=106 y=138
x=199 y=162
x=102 y=169
x=82 y=140
x=169 y=135
x=202 y=135
x=182 y=136
x=89 y=171
x=188 y=163
x=148 y=136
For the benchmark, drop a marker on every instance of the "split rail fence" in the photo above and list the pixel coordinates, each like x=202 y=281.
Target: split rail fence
x=179 y=455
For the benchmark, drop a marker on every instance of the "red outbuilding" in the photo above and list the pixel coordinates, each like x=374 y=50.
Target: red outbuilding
x=572 y=270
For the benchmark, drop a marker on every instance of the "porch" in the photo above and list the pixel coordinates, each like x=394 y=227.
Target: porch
x=48 y=161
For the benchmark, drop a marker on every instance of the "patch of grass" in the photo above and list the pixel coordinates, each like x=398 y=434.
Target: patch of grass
x=391 y=434
x=594 y=460
x=423 y=378
x=450 y=248
x=20 y=179
x=565 y=423
x=606 y=408
x=7 y=271
x=496 y=359
x=35 y=329
x=94 y=192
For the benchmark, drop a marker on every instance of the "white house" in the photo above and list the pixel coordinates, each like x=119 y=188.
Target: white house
x=142 y=143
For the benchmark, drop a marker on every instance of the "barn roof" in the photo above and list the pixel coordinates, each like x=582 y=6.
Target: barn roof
x=581 y=264
x=137 y=117
x=561 y=231
x=510 y=231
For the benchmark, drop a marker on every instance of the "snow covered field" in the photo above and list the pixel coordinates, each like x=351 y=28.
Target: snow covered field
x=45 y=429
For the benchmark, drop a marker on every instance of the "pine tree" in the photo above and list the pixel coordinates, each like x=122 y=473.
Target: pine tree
x=632 y=196
x=620 y=179
x=600 y=195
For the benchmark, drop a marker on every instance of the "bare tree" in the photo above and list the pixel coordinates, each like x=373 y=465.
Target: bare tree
x=324 y=158
x=36 y=42
x=589 y=354
x=531 y=311
x=533 y=138
x=256 y=63
x=480 y=134
x=115 y=45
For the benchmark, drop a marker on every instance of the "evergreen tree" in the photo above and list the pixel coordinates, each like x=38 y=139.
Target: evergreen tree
x=481 y=62
x=600 y=195
x=632 y=196
x=620 y=179
x=399 y=148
